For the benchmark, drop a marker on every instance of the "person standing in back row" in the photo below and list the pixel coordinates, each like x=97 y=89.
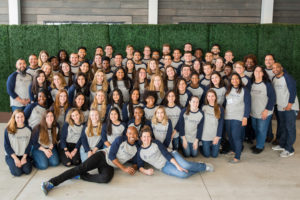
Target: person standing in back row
x=17 y=86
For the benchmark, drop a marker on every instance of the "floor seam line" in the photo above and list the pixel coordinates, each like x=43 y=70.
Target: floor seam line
x=206 y=187
x=25 y=185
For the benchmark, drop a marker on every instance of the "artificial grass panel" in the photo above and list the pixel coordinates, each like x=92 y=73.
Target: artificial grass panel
x=72 y=36
x=4 y=67
x=136 y=35
x=278 y=40
x=241 y=39
x=178 y=34
x=28 y=39
x=296 y=56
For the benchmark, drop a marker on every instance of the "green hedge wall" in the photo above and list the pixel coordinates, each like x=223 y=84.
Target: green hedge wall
x=20 y=41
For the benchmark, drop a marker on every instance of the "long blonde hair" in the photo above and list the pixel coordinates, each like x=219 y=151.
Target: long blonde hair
x=161 y=88
x=12 y=125
x=89 y=131
x=165 y=119
x=94 y=105
x=69 y=119
x=94 y=82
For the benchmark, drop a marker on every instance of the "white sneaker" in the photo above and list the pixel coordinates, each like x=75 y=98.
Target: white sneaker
x=209 y=167
x=278 y=148
x=286 y=154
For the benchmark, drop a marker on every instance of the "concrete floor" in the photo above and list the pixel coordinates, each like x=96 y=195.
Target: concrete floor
x=264 y=176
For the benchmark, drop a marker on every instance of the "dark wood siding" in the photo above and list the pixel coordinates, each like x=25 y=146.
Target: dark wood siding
x=136 y=9
x=209 y=11
x=286 y=11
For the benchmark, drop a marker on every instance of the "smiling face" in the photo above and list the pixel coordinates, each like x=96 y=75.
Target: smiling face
x=135 y=95
x=116 y=96
x=129 y=64
x=44 y=57
x=160 y=114
x=63 y=98
x=57 y=81
x=41 y=99
x=33 y=61
x=81 y=81
x=75 y=117
x=195 y=79
x=98 y=59
x=94 y=116
x=120 y=74
x=215 y=79
x=100 y=97
x=20 y=118
x=240 y=69
x=79 y=101
x=132 y=135
x=41 y=78
x=49 y=119
x=99 y=78
x=170 y=73
x=258 y=73
x=65 y=67
x=194 y=103
x=138 y=113
x=84 y=67
x=142 y=74
x=113 y=116
x=21 y=65
x=181 y=86
x=171 y=97
x=277 y=69
x=211 y=98
x=269 y=61
x=146 y=139
x=150 y=101
x=235 y=81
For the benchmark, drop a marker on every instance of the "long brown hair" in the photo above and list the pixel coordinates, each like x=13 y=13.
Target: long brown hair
x=217 y=110
x=161 y=88
x=43 y=130
x=89 y=129
x=12 y=125
x=56 y=104
x=62 y=79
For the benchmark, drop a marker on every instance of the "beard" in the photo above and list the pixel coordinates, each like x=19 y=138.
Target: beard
x=23 y=72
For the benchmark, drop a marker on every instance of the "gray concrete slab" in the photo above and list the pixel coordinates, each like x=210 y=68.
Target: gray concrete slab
x=264 y=176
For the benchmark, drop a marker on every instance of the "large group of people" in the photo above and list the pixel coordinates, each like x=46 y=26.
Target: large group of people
x=144 y=107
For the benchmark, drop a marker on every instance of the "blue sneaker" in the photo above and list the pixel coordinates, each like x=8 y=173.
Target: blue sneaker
x=76 y=177
x=46 y=187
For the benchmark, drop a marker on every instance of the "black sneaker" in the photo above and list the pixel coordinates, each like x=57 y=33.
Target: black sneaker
x=253 y=147
x=275 y=142
x=257 y=151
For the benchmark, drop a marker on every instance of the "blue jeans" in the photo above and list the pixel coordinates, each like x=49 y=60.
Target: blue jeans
x=16 y=171
x=190 y=151
x=192 y=167
x=287 y=129
x=261 y=127
x=83 y=154
x=42 y=162
x=210 y=149
x=13 y=108
x=175 y=143
x=235 y=132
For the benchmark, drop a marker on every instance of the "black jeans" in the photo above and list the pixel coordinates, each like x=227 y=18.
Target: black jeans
x=64 y=160
x=97 y=160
